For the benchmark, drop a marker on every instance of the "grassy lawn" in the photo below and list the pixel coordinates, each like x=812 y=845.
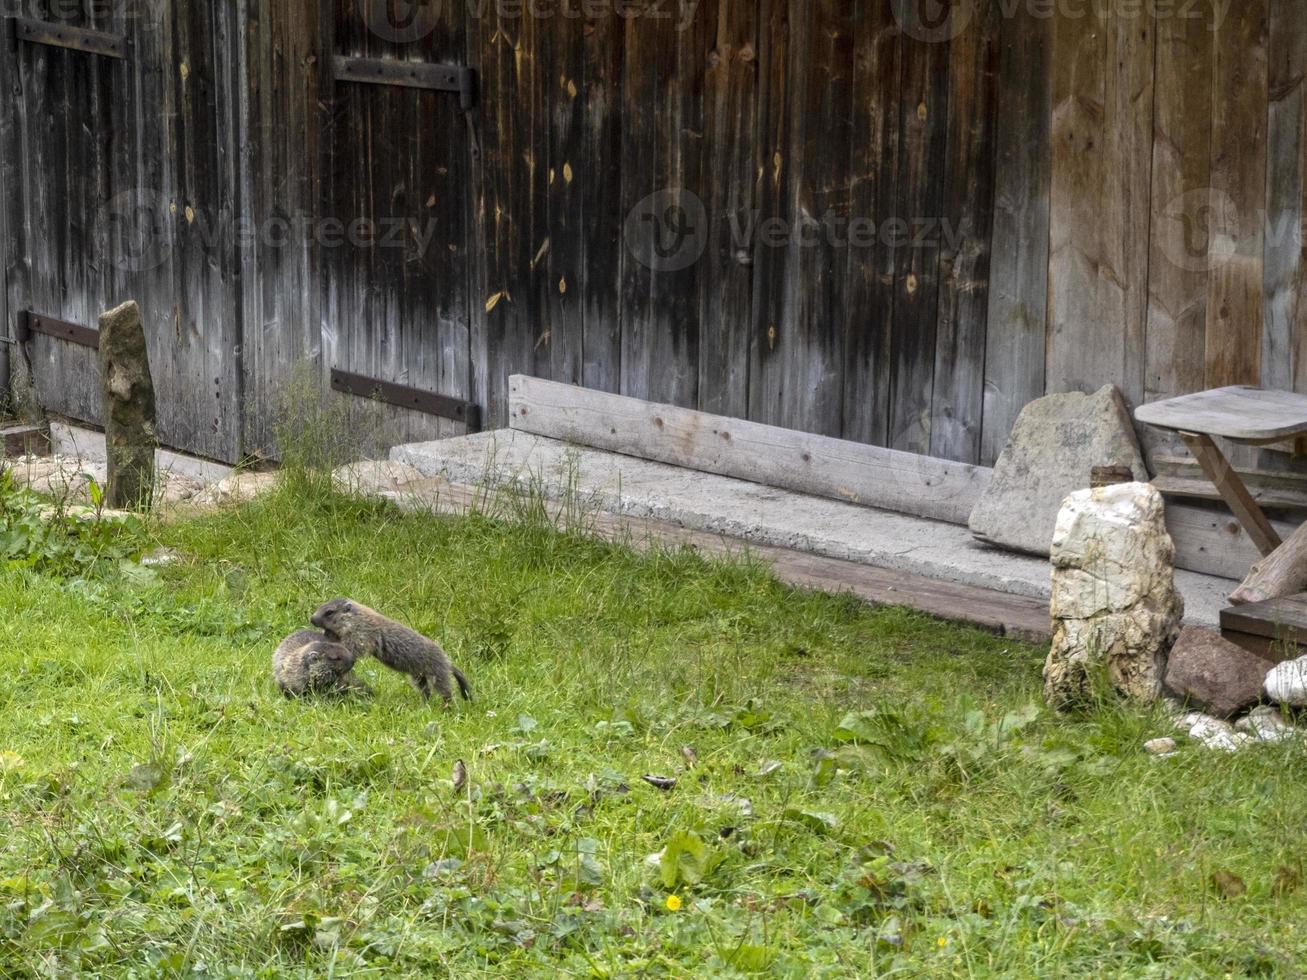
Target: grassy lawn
x=874 y=793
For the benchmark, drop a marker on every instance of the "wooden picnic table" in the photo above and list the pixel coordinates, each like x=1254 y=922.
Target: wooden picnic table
x=1242 y=414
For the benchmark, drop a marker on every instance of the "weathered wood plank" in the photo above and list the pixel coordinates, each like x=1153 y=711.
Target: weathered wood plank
x=281 y=192
x=199 y=379
x=873 y=165
x=560 y=287
x=775 y=211
x=965 y=231
x=662 y=187
x=810 y=334
x=1284 y=326
x=1238 y=180
x=745 y=450
x=601 y=204
x=923 y=125
x=1210 y=540
x=11 y=247
x=731 y=99
x=508 y=179
x=1018 y=281
x=1178 y=262
x=1239 y=412
x=1101 y=166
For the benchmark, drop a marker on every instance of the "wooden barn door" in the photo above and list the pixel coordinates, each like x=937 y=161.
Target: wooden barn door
x=394 y=235
x=64 y=79
x=119 y=152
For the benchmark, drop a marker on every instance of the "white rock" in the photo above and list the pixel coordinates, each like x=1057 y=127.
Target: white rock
x=1213 y=733
x=1266 y=724
x=1286 y=683
x=1114 y=605
x=1160 y=746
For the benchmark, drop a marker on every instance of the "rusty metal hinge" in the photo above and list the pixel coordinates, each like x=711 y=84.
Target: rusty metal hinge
x=427 y=402
x=73 y=38
x=411 y=74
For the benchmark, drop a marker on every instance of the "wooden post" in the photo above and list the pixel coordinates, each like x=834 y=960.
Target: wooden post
x=1106 y=476
x=127 y=394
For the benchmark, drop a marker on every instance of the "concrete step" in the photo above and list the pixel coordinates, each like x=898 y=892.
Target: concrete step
x=756 y=514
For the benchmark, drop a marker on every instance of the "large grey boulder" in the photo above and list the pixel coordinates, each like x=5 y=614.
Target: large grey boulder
x=1056 y=441
x=1115 y=609
x=1212 y=674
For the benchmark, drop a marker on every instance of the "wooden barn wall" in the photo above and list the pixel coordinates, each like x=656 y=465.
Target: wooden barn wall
x=900 y=230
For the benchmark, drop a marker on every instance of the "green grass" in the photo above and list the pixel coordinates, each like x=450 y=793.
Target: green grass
x=875 y=793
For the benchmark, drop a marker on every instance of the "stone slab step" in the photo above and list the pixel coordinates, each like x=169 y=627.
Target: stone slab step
x=756 y=514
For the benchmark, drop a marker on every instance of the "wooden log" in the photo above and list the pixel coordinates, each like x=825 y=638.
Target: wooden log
x=127 y=394
x=820 y=465
x=1283 y=572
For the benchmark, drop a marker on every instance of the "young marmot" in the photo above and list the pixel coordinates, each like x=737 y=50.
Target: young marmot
x=365 y=631
x=308 y=663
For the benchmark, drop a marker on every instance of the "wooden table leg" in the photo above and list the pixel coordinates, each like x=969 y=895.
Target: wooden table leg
x=1231 y=487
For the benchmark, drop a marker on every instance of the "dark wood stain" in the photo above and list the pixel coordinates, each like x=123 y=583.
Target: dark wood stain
x=213 y=173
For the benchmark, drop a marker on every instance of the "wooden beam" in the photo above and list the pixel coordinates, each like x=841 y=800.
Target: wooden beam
x=819 y=465
x=1233 y=491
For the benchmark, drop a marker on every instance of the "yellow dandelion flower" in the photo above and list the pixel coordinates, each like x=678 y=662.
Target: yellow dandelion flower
x=943 y=941
x=673 y=903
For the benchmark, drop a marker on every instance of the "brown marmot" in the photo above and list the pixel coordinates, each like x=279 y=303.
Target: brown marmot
x=365 y=631
x=308 y=663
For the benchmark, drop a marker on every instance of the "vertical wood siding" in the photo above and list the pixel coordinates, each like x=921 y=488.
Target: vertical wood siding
x=909 y=229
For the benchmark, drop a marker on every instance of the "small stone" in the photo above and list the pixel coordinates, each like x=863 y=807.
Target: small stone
x=1213 y=733
x=1160 y=746
x=1266 y=724
x=1286 y=683
x=1056 y=441
x=161 y=556
x=1213 y=674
